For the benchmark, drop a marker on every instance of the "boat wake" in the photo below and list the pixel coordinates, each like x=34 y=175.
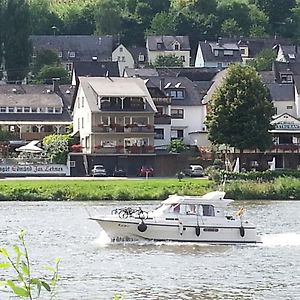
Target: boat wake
x=281 y=239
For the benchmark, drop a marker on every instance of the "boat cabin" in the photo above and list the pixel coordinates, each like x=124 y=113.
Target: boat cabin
x=209 y=205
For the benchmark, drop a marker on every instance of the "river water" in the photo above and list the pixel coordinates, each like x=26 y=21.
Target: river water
x=93 y=269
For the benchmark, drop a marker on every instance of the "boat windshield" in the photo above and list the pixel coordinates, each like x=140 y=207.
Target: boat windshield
x=186 y=209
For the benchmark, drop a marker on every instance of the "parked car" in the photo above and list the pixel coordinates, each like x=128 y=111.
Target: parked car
x=194 y=171
x=119 y=172
x=146 y=171
x=98 y=170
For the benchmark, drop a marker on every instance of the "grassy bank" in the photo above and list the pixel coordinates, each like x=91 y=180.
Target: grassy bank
x=99 y=189
x=152 y=189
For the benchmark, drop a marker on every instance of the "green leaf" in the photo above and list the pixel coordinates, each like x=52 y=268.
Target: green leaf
x=46 y=286
x=3 y=252
x=25 y=269
x=5 y=265
x=38 y=284
x=22 y=292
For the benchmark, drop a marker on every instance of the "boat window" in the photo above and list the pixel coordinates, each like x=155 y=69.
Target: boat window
x=208 y=210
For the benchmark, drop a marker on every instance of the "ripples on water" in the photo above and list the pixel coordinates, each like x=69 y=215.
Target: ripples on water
x=92 y=268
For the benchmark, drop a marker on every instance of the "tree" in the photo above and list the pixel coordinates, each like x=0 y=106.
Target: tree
x=230 y=28
x=57 y=147
x=168 y=61
x=264 y=60
x=240 y=111
x=16 y=39
x=45 y=57
x=162 y=24
x=177 y=146
x=107 y=17
x=47 y=73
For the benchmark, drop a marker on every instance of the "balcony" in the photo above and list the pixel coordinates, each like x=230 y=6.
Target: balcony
x=117 y=128
x=124 y=150
x=162 y=101
x=286 y=148
x=162 y=119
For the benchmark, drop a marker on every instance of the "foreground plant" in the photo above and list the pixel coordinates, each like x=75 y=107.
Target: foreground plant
x=25 y=285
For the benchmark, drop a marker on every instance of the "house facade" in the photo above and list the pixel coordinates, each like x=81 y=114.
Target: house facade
x=123 y=57
x=114 y=116
x=31 y=112
x=168 y=45
x=217 y=54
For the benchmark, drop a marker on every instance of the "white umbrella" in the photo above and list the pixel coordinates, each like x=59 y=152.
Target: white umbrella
x=237 y=166
x=30 y=148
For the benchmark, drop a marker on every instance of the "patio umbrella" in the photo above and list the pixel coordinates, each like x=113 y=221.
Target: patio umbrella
x=237 y=166
x=30 y=148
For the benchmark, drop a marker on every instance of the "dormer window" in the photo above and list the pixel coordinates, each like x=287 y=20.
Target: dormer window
x=176 y=94
x=60 y=54
x=216 y=52
x=159 y=46
x=3 y=109
x=228 y=52
x=286 y=78
x=291 y=56
x=176 y=47
x=72 y=54
x=141 y=57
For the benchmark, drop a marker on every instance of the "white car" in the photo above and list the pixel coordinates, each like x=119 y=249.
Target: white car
x=194 y=171
x=98 y=170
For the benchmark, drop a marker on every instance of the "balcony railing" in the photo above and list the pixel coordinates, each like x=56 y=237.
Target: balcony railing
x=116 y=128
x=286 y=148
x=162 y=119
x=124 y=150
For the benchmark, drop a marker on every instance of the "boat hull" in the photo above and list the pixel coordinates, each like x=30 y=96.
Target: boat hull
x=136 y=229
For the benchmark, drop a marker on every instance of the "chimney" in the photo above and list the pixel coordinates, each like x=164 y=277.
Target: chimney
x=55 y=82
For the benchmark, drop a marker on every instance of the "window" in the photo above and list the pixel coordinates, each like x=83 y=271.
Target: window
x=72 y=163
x=11 y=109
x=78 y=125
x=177 y=113
x=182 y=58
x=42 y=109
x=57 y=110
x=78 y=102
x=141 y=57
x=71 y=54
x=123 y=58
x=2 y=109
x=33 y=109
x=82 y=122
x=26 y=109
x=119 y=58
x=228 y=52
x=68 y=67
x=289 y=107
x=50 y=109
x=19 y=109
x=159 y=45
x=176 y=94
x=286 y=78
x=159 y=133
x=208 y=210
x=176 y=47
x=216 y=52
x=121 y=49
x=60 y=54
x=82 y=102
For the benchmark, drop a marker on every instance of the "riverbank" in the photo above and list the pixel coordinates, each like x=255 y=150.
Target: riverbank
x=137 y=189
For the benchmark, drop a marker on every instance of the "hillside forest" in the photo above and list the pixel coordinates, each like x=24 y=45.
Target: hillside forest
x=129 y=21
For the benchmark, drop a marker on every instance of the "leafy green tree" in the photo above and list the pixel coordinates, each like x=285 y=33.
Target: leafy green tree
x=57 y=147
x=43 y=17
x=168 y=61
x=230 y=28
x=177 y=146
x=108 y=17
x=47 y=72
x=240 y=111
x=45 y=57
x=16 y=44
x=264 y=60
x=162 y=24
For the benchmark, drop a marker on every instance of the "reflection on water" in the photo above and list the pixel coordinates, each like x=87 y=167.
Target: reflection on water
x=93 y=268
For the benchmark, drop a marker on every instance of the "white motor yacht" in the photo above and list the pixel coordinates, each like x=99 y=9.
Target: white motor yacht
x=200 y=219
